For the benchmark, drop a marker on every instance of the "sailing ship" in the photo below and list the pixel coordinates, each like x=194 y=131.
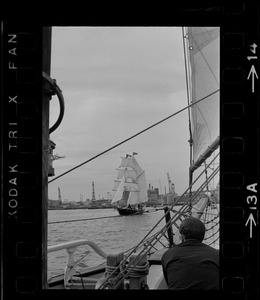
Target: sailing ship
x=140 y=267
x=130 y=187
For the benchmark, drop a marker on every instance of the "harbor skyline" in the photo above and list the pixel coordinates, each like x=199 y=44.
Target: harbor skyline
x=117 y=81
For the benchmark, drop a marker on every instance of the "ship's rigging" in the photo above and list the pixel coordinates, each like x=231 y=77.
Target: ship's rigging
x=204 y=140
x=131 y=137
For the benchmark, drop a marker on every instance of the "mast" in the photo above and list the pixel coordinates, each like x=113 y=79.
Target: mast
x=46 y=66
x=188 y=84
x=202 y=77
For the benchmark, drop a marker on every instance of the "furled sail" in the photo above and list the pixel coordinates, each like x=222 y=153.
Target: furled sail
x=203 y=67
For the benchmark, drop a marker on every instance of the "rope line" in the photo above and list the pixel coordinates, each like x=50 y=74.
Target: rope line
x=131 y=137
x=79 y=220
x=90 y=219
x=156 y=237
x=159 y=234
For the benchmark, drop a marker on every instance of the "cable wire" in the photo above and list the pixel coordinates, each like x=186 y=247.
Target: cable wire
x=131 y=137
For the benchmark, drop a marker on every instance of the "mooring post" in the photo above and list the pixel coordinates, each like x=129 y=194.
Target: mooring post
x=139 y=270
x=169 y=230
x=113 y=261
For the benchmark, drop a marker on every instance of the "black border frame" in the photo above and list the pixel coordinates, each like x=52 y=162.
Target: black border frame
x=21 y=254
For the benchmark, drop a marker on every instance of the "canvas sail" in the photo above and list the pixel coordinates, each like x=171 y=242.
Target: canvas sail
x=130 y=178
x=127 y=172
x=126 y=162
x=138 y=194
x=143 y=197
x=203 y=65
x=136 y=166
x=119 y=192
x=133 y=198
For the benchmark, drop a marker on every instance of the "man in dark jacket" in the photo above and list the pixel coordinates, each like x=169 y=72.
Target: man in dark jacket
x=191 y=265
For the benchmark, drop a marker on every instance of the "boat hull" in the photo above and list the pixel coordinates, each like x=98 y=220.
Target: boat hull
x=129 y=211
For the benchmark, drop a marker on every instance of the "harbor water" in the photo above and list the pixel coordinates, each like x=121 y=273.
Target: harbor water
x=111 y=232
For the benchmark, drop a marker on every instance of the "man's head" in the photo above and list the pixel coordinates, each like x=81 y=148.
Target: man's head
x=192 y=228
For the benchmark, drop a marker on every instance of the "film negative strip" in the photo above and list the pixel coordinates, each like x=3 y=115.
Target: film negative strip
x=240 y=153
x=25 y=146
x=21 y=160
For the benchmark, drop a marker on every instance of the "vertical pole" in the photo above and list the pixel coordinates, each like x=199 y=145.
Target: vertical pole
x=169 y=230
x=93 y=191
x=187 y=73
x=190 y=193
x=46 y=65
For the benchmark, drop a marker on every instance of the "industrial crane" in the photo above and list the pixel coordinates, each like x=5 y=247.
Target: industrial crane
x=171 y=185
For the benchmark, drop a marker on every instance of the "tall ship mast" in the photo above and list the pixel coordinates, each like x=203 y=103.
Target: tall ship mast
x=130 y=187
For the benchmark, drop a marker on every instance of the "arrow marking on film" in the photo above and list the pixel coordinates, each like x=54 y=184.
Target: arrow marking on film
x=250 y=220
x=254 y=74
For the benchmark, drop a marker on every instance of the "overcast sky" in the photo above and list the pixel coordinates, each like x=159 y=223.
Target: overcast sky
x=116 y=81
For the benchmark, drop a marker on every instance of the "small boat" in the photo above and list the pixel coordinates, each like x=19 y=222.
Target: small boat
x=130 y=187
x=130 y=211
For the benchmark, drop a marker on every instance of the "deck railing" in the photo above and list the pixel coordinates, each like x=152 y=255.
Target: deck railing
x=71 y=248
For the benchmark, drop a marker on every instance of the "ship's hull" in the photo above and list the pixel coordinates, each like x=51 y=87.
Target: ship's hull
x=98 y=207
x=129 y=211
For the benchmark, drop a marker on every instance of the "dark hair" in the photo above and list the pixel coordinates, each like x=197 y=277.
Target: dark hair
x=192 y=228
